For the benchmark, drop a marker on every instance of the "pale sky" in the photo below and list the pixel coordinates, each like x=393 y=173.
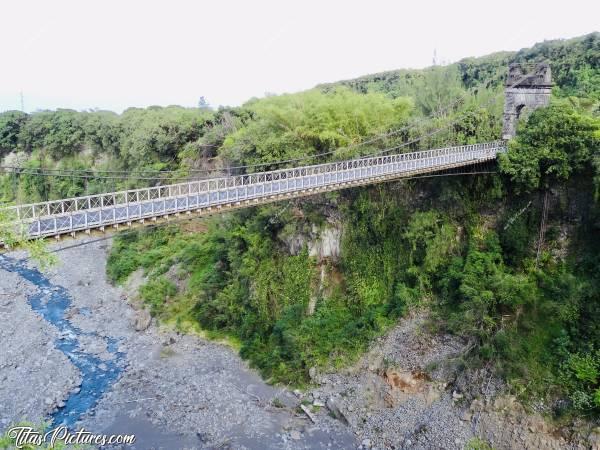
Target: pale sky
x=114 y=54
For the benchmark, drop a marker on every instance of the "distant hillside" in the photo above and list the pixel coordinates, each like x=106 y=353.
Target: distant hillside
x=575 y=65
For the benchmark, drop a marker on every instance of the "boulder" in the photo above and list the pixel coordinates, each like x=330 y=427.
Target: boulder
x=142 y=320
x=466 y=416
x=457 y=396
x=334 y=407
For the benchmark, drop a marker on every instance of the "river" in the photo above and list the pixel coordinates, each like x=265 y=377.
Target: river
x=172 y=391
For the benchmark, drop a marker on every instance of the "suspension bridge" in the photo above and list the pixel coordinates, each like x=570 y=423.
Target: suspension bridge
x=213 y=195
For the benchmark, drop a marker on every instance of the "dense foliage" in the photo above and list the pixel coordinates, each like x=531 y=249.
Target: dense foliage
x=292 y=126
x=135 y=145
x=557 y=142
x=468 y=249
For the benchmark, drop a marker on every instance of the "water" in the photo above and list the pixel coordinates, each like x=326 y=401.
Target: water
x=51 y=302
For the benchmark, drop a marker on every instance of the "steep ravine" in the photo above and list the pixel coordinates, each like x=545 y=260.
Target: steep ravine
x=67 y=328
x=172 y=391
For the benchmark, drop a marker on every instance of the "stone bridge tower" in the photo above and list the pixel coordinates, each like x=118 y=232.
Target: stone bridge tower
x=528 y=86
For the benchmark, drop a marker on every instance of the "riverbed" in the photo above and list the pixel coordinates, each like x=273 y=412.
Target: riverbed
x=79 y=351
x=71 y=354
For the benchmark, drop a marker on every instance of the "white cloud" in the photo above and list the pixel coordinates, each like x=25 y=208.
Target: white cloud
x=114 y=54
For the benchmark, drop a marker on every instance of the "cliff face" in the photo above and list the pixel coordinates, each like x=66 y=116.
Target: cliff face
x=322 y=243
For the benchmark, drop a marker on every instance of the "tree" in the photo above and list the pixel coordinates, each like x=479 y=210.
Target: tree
x=158 y=134
x=11 y=123
x=486 y=290
x=59 y=132
x=438 y=88
x=12 y=236
x=293 y=126
x=103 y=131
x=555 y=142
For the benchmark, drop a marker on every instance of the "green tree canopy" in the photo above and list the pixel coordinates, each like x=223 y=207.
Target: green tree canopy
x=291 y=126
x=10 y=127
x=554 y=142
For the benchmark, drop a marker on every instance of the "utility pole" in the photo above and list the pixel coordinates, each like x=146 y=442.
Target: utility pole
x=22 y=103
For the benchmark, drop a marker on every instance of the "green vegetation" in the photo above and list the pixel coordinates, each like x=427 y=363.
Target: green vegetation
x=478 y=444
x=12 y=237
x=138 y=144
x=292 y=126
x=556 y=142
x=466 y=248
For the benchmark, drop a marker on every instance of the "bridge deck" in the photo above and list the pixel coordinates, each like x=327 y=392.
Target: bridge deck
x=209 y=195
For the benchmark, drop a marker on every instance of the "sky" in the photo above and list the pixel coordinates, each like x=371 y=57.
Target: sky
x=110 y=54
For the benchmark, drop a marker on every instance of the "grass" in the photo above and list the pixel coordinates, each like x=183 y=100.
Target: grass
x=478 y=444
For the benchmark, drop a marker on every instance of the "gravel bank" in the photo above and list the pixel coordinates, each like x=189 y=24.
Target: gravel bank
x=408 y=392
x=175 y=391
x=34 y=376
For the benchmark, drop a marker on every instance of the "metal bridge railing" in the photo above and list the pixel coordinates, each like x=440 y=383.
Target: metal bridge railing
x=93 y=211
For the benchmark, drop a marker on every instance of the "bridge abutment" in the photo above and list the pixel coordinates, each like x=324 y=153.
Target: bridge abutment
x=528 y=87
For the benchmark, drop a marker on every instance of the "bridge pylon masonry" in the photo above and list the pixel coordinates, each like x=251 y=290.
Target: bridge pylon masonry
x=528 y=87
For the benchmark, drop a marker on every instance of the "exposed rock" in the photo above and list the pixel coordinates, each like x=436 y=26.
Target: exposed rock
x=295 y=243
x=177 y=276
x=505 y=403
x=407 y=382
x=466 y=416
x=334 y=407
x=594 y=439
x=15 y=159
x=476 y=405
x=327 y=245
x=142 y=320
x=388 y=398
x=133 y=283
x=33 y=373
x=322 y=243
x=168 y=398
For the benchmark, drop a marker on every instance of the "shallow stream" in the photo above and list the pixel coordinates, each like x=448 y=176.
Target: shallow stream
x=52 y=302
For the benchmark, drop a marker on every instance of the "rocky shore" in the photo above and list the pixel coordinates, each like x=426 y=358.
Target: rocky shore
x=410 y=391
